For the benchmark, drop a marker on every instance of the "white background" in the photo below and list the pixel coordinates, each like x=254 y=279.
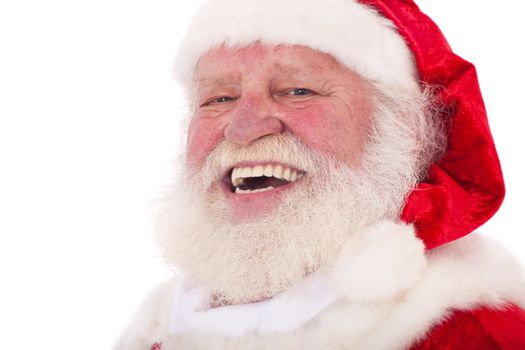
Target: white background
x=88 y=133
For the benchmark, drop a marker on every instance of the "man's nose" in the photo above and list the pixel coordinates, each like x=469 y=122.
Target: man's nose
x=253 y=118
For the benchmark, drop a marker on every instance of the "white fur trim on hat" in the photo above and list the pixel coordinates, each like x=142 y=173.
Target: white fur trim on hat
x=356 y=35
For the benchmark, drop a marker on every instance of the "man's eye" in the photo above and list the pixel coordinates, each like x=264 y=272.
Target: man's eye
x=218 y=100
x=223 y=99
x=299 y=92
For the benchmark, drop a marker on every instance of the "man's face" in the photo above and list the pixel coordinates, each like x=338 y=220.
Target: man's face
x=246 y=94
x=283 y=108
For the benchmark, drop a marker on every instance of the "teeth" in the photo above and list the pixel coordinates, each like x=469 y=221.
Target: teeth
x=239 y=191
x=286 y=174
x=258 y=171
x=246 y=172
x=263 y=189
x=293 y=177
x=278 y=172
x=237 y=178
x=268 y=170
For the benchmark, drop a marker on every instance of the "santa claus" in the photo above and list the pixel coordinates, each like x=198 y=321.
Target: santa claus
x=338 y=155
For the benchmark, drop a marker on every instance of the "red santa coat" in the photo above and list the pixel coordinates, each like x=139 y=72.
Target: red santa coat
x=479 y=329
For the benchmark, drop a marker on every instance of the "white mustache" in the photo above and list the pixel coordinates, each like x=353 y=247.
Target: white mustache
x=285 y=149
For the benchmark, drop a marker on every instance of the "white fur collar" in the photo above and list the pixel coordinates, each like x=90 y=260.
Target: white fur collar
x=285 y=313
x=392 y=294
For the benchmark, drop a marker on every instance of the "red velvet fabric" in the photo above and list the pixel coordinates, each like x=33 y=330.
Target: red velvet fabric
x=481 y=329
x=465 y=188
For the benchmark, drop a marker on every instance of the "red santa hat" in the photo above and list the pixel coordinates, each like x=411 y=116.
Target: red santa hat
x=395 y=46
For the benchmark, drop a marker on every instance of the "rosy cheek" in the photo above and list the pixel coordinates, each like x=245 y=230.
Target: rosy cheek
x=204 y=135
x=331 y=129
x=314 y=126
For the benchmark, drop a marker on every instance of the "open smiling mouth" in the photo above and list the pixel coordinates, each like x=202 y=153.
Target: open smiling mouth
x=261 y=178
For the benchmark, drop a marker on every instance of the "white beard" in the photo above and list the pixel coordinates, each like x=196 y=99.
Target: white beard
x=251 y=261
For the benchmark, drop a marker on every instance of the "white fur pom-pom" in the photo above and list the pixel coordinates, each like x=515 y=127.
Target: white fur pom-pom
x=379 y=263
